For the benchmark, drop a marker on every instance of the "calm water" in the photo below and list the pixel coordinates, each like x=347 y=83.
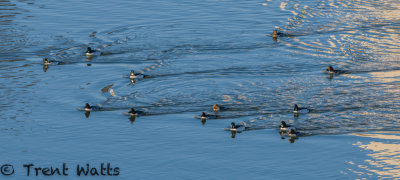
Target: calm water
x=197 y=54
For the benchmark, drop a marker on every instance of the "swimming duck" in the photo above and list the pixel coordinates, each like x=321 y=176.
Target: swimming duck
x=292 y=133
x=302 y=110
x=238 y=128
x=132 y=112
x=204 y=115
x=91 y=108
x=134 y=75
x=216 y=107
x=46 y=61
x=275 y=33
x=284 y=126
x=331 y=70
x=91 y=52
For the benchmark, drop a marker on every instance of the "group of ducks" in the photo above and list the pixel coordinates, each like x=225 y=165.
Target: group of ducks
x=283 y=128
x=291 y=131
x=132 y=76
x=88 y=108
x=89 y=54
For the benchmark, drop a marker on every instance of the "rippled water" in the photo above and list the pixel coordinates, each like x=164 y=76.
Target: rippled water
x=197 y=54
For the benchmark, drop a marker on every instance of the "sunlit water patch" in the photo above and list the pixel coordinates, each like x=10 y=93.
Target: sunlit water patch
x=383 y=156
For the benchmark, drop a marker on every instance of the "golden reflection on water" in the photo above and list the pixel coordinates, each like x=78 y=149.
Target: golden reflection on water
x=283 y=5
x=386 y=77
x=362 y=26
x=385 y=156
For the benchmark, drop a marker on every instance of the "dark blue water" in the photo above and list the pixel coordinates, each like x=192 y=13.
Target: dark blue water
x=197 y=54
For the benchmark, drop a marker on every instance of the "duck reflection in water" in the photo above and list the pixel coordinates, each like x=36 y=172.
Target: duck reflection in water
x=132 y=119
x=132 y=81
x=275 y=39
x=282 y=133
x=89 y=60
x=330 y=77
x=87 y=114
x=203 y=121
x=293 y=139
x=233 y=134
x=45 y=67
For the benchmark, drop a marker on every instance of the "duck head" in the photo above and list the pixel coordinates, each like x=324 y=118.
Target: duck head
x=45 y=61
x=330 y=68
x=132 y=73
x=283 y=124
x=89 y=50
x=274 y=33
x=87 y=105
x=203 y=114
x=295 y=107
x=216 y=107
x=291 y=131
x=233 y=125
x=131 y=110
